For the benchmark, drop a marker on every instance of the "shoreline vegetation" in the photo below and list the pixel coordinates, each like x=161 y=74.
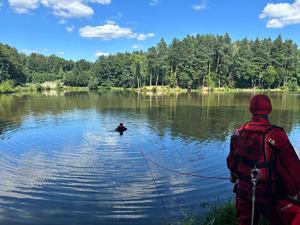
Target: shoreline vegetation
x=223 y=214
x=7 y=87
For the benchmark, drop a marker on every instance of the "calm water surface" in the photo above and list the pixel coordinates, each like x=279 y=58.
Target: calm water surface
x=62 y=163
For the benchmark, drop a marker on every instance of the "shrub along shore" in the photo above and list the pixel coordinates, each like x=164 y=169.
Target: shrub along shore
x=8 y=87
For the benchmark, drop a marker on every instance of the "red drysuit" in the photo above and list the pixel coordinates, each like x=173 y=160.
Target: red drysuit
x=258 y=143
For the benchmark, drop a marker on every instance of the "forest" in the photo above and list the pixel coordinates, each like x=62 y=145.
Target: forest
x=193 y=62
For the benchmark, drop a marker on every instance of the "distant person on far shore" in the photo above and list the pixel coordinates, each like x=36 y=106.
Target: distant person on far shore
x=121 y=128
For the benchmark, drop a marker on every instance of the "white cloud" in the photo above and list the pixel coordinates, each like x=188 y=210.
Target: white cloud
x=61 y=53
x=68 y=8
x=70 y=28
x=137 y=46
x=154 y=2
x=103 y=2
x=142 y=37
x=111 y=30
x=61 y=8
x=110 y=22
x=281 y=14
x=28 y=51
x=106 y=32
x=62 y=21
x=99 y=53
x=23 y=6
x=200 y=6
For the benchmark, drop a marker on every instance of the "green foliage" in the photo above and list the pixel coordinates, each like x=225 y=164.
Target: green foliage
x=37 y=77
x=193 y=62
x=7 y=86
x=11 y=65
x=292 y=84
x=93 y=84
x=269 y=76
x=172 y=80
x=77 y=78
x=58 y=85
x=217 y=215
x=38 y=87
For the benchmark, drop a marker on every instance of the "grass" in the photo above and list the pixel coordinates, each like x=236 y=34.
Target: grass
x=159 y=90
x=75 y=89
x=224 y=214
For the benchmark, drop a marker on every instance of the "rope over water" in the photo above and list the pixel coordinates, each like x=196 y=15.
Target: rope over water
x=158 y=191
x=182 y=173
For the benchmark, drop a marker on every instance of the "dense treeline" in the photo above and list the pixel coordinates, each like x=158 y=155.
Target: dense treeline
x=195 y=61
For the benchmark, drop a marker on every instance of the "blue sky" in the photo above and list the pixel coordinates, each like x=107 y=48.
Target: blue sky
x=76 y=29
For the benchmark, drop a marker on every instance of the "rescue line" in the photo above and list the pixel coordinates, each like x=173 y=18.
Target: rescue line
x=182 y=173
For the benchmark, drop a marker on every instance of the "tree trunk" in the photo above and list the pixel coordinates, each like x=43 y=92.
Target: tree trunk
x=208 y=73
x=157 y=76
x=138 y=82
x=150 y=79
x=218 y=62
x=162 y=80
x=286 y=73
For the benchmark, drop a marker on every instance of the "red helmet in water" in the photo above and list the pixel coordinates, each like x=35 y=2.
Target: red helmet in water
x=260 y=105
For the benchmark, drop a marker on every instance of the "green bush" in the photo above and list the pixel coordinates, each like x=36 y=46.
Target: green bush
x=59 y=86
x=293 y=85
x=7 y=86
x=18 y=89
x=43 y=77
x=93 y=84
x=38 y=87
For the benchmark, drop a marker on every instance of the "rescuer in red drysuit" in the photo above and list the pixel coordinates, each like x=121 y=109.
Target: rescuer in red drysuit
x=297 y=219
x=258 y=144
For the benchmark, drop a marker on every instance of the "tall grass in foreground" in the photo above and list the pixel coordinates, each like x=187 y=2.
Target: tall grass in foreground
x=224 y=214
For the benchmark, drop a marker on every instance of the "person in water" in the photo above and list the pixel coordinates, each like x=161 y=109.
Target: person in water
x=121 y=128
x=262 y=156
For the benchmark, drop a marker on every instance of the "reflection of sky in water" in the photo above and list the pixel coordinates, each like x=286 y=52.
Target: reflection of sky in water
x=294 y=138
x=72 y=168
x=52 y=163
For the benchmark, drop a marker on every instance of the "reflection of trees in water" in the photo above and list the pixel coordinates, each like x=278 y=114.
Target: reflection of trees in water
x=11 y=112
x=204 y=117
x=213 y=116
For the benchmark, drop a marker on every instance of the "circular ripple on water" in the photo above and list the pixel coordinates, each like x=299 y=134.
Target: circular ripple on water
x=61 y=171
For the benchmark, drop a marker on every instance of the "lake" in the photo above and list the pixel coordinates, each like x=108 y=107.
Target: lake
x=62 y=162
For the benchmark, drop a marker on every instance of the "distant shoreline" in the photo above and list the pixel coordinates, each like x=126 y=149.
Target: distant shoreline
x=6 y=88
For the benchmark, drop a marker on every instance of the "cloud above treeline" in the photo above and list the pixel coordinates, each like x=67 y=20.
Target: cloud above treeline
x=200 y=5
x=60 y=8
x=281 y=14
x=154 y=2
x=111 y=30
x=100 y=53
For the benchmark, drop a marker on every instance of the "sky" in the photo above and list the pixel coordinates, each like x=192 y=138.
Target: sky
x=87 y=29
